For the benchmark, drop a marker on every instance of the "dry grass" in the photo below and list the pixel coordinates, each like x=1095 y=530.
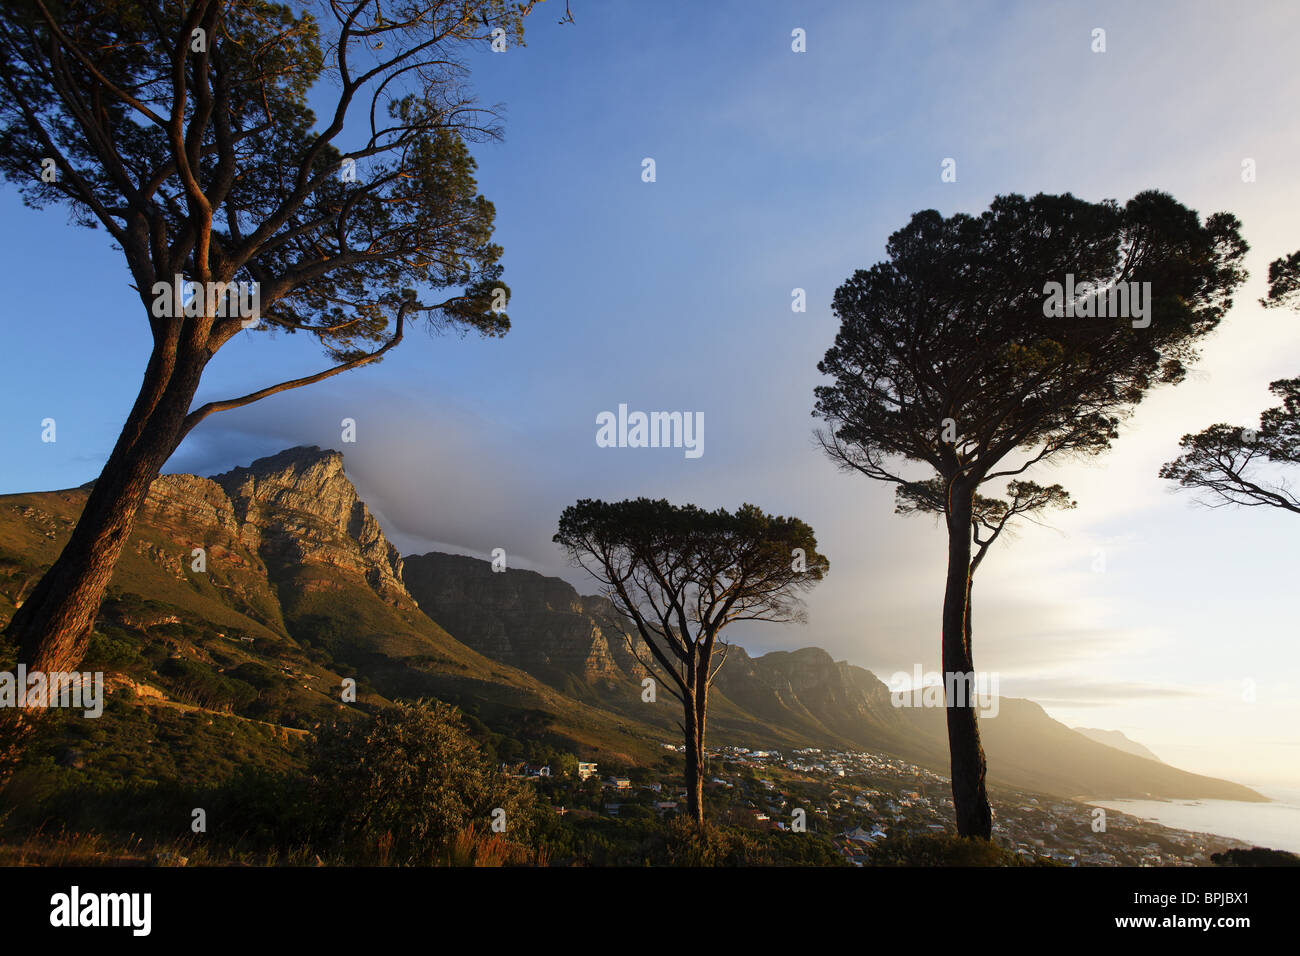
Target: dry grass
x=70 y=848
x=470 y=847
x=75 y=848
x=473 y=847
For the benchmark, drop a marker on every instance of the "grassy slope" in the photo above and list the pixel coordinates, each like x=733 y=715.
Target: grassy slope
x=302 y=621
x=321 y=627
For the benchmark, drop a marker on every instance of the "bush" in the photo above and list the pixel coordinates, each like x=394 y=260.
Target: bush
x=1255 y=856
x=402 y=787
x=679 y=842
x=194 y=682
x=944 y=850
x=110 y=651
x=258 y=674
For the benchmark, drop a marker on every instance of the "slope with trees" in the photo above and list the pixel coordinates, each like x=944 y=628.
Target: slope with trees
x=183 y=131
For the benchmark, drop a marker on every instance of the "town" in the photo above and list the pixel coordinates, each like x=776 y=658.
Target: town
x=857 y=800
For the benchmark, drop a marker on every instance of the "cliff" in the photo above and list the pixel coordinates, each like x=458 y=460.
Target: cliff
x=536 y=623
x=299 y=577
x=794 y=698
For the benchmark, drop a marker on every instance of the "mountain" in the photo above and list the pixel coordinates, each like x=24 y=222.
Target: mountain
x=301 y=583
x=1113 y=738
x=1024 y=744
x=783 y=698
x=297 y=588
x=538 y=624
x=581 y=646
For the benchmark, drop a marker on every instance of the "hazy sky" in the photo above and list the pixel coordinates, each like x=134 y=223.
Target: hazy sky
x=778 y=170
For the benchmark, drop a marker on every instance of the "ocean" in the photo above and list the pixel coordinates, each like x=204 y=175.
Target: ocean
x=1275 y=825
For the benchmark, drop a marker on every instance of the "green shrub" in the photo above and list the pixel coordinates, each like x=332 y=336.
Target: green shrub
x=1255 y=856
x=939 y=849
x=110 y=652
x=401 y=787
x=197 y=683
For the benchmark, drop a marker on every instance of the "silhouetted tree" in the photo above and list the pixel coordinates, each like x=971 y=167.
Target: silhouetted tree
x=1229 y=462
x=183 y=130
x=1255 y=856
x=956 y=353
x=682 y=574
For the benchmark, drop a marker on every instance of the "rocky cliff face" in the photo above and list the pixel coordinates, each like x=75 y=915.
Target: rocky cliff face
x=295 y=561
x=194 y=510
x=583 y=646
x=297 y=580
x=522 y=618
x=299 y=508
x=293 y=519
x=783 y=698
x=832 y=700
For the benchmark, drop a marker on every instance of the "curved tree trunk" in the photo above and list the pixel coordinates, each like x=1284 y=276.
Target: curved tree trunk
x=52 y=627
x=969 y=795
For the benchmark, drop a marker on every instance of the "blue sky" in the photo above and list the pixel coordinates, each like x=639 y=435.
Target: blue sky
x=778 y=170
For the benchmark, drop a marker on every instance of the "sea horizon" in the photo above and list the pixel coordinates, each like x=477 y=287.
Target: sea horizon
x=1275 y=824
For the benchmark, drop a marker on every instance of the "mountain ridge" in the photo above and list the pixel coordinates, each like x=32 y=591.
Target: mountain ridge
x=296 y=576
x=803 y=692
x=298 y=566
x=1118 y=740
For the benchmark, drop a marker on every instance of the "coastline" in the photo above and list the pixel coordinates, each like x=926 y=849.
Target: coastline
x=1275 y=824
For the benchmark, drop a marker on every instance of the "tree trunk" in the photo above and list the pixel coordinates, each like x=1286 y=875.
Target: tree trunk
x=694 y=763
x=52 y=627
x=694 y=705
x=969 y=796
x=701 y=715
